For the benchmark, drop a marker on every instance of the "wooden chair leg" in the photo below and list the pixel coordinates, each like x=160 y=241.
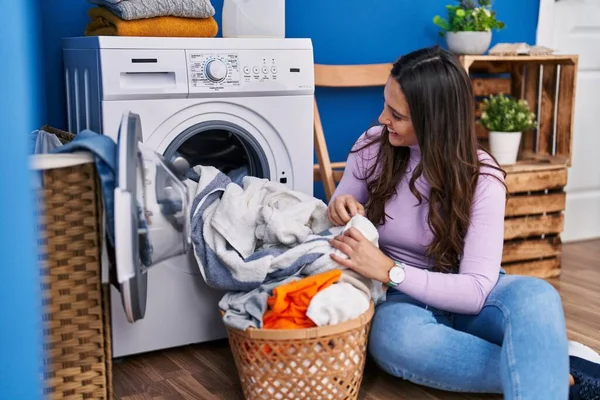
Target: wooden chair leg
x=325 y=168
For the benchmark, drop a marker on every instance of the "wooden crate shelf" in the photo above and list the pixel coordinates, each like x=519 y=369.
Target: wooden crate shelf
x=536 y=203
x=548 y=85
x=533 y=226
x=524 y=250
x=546 y=268
x=534 y=217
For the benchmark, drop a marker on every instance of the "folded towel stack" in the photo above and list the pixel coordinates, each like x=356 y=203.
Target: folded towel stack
x=155 y=18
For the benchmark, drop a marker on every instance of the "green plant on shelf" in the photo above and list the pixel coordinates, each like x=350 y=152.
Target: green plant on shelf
x=469 y=16
x=502 y=113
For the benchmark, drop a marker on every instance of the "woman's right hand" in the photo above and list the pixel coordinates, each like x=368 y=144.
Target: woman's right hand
x=343 y=208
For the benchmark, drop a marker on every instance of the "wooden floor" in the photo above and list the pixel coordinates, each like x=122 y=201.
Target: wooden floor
x=206 y=371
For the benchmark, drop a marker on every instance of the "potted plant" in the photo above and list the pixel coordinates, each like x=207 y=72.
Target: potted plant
x=506 y=118
x=469 y=25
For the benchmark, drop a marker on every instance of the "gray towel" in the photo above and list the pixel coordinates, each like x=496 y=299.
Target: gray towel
x=139 y=9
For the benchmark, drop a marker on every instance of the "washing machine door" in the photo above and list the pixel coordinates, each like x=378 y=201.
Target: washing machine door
x=152 y=220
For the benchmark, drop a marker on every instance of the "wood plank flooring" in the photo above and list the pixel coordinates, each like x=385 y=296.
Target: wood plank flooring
x=207 y=372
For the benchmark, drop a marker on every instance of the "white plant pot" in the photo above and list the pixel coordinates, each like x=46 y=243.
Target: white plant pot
x=468 y=42
x=504 y=146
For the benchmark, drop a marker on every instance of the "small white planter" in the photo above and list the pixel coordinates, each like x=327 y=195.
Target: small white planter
x=504 y=146
x=468 y=42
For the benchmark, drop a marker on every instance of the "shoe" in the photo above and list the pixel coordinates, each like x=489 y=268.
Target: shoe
x=582 y=351
x=587 y=379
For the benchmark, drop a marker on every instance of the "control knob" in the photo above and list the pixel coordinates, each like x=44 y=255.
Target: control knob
x=216 y=70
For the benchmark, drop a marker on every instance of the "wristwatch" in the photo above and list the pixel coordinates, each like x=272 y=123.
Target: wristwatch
x=396 y=274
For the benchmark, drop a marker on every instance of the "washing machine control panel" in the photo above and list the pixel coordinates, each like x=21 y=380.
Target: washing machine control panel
x=216 y=70
x=213 y=71
x=261 y=72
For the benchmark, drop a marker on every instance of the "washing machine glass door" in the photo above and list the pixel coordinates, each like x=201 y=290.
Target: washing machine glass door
x=152 y=220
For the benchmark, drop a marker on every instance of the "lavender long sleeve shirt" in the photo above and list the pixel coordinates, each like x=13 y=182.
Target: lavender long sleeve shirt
x=406 y=234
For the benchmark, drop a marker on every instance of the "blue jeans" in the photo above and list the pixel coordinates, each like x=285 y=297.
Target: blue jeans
x=516 y=345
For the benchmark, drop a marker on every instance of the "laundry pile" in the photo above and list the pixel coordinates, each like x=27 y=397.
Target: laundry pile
x=156 y=18
x=268 y=247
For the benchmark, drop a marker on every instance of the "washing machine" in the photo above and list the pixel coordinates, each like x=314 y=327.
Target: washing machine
x=244 y=106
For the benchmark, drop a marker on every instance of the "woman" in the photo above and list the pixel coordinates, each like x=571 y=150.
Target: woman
x=452 y=319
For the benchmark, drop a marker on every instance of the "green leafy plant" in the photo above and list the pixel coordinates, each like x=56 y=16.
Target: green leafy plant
x=469 y=16
x=501 y=113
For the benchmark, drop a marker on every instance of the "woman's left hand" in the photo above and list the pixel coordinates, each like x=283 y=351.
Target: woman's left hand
x=364 y=257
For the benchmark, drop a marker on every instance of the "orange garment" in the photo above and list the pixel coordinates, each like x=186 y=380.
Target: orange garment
x=105 y=23
x=289 y=302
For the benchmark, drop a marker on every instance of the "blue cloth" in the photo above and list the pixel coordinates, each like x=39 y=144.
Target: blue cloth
x=104 y=150
x=32 y=143
x=516 y=345
x=192 y=175
x=42 y=142
x=237 y=175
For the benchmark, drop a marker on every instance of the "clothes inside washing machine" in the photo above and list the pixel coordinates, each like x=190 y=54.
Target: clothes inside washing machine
x=221 y=148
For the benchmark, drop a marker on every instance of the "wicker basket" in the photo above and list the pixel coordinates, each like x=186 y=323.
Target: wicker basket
x=76 y=331
x=322 y=363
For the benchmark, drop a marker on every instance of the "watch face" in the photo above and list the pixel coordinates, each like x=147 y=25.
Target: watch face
x=397 y=274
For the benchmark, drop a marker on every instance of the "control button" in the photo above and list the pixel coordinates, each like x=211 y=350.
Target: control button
x=216 y=70
x=274 y=69
x=246 y=70
x=255 y=70
x=265 y=70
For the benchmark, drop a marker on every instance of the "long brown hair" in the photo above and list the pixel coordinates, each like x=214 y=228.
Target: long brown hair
x=439 y=94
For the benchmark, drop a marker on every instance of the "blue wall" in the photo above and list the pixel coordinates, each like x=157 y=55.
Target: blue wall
x=20 y=113
x=348 y=32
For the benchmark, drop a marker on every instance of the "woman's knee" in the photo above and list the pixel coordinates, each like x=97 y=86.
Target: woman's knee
x=402 y=336
x=529 y=297
x=542 y=291
x=529 y=288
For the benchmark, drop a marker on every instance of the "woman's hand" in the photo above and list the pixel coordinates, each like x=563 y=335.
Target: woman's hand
x=343 y=208
x=364 y=257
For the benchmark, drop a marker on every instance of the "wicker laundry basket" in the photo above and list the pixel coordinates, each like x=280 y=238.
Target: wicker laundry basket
x=76 y=331
x=322 y=363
